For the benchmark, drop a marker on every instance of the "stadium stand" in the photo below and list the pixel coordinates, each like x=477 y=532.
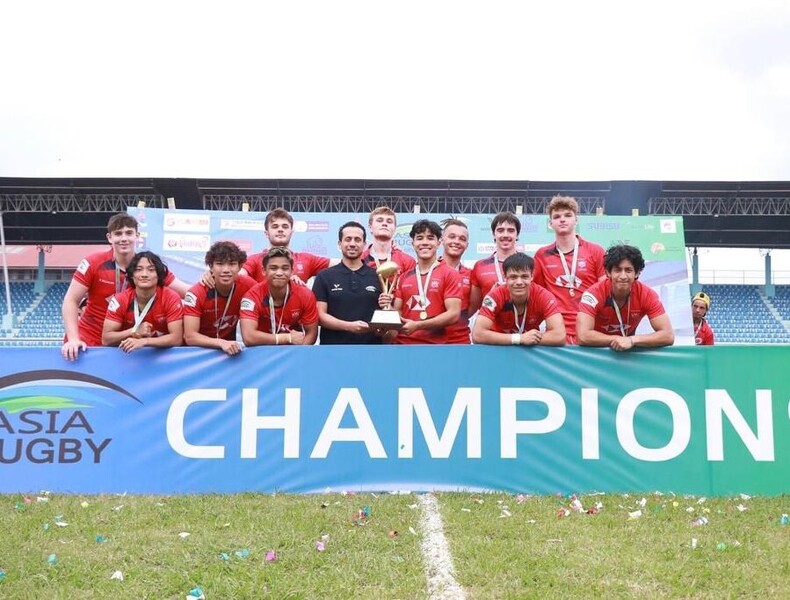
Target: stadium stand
x=742 y=314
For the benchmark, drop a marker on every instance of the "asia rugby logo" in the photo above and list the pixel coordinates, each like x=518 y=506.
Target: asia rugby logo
x=43 y=420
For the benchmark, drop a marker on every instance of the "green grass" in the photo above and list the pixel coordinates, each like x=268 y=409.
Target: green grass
x=143 y=543
x=602 y=555
x=610 y=555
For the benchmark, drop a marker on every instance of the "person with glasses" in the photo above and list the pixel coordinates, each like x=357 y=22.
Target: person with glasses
x=276 y=311
x=511 y=313
x=611 y=310
x=211 y=314
x=347 y=294
x=146 y=313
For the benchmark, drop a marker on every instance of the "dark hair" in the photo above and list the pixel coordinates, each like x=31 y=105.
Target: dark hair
x=350 y=224
x=518 y=262
x=120 y=221
x=505 y=217
x=225 y=252
x=617 y=254
x=277 y=213
x=278 y=252
x=424 y=225
x=161 y=268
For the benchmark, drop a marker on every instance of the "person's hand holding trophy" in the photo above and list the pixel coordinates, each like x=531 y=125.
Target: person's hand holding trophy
x=386 y=318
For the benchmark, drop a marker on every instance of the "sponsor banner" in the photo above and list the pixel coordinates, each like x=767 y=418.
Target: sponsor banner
x=711 y=421
x=187 y=221
x=661 y=240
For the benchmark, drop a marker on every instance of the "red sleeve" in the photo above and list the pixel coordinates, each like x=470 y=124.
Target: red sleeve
x=547 y=303
x=193 y=301
x=492 y=304
x=170 y=277
x=85 y=272
x=473 y=278
x=652 y=303
x=310 y=313
x=537 y=271
x=592 y=300
x=117 y=307
x=173 y=308
x=249 y=304
x=598 y=258
x=453 y=287
x=318 y=264
x=254 y=266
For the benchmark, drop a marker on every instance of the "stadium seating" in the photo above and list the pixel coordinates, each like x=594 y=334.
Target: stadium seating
x=739 y=314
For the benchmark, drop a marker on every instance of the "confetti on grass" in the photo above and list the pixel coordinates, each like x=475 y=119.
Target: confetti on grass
x=271 y=556
x=117 y=575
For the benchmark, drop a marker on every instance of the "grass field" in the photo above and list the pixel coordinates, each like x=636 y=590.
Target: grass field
x=502 y=546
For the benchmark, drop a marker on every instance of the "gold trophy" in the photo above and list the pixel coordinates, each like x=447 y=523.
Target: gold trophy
x=386 y=318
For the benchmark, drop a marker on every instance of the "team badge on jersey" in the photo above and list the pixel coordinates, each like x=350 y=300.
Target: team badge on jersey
x=589 y=299
x=190 y=300
x=83 y=266
x=489 y=303
x=114 y=304
x=247 y=304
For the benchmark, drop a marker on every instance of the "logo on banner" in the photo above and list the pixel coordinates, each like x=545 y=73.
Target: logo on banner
x=186 y=222
x=44 y=417
x=186 y=242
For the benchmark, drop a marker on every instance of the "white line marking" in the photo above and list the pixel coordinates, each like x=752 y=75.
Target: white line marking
x=436 y=552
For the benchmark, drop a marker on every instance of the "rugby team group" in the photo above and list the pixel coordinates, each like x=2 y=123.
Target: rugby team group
x=571 y=291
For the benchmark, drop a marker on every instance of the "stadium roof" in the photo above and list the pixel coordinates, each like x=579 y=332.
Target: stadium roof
x=75 y=211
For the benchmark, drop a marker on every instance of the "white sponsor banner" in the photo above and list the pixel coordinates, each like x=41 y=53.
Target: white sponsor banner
x=185 y=242
x=200 y=223
x=242 y=224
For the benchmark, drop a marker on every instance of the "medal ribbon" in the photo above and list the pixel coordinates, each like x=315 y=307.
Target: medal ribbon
x=282 y=312
x=570 y=276
x=422 y=290
x=499 y=277
x=623 y=328
x=139 y=315
x=520 y=326
x=224 y=312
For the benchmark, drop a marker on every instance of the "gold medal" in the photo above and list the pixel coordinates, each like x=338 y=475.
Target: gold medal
x=423 y=315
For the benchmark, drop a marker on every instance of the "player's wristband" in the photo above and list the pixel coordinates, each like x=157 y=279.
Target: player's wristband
x=515 y=339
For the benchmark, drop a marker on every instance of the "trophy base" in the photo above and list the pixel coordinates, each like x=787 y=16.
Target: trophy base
x=385 y=319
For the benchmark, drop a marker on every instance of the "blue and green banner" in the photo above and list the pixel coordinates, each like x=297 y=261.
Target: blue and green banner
x=182 y=237
x=711 y=421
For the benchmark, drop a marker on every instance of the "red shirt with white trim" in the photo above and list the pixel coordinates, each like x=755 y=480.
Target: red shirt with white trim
x=306 y=265
x=97 y=273
x=218 y=314
x=498 y=307
x=599 y=304
x=445 y=282
x=550 y=274
x=165 y=309
x=298 y=311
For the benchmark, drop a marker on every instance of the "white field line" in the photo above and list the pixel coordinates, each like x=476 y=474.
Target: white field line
x=436 y=552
